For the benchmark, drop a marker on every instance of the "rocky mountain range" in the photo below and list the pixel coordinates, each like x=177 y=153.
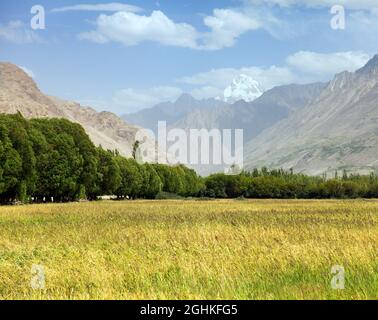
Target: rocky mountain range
x=314 y=128
x=339 y=130
x=253 y=117
x=171 y=112
x=19 y=93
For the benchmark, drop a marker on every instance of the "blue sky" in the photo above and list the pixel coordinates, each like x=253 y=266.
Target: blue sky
x=128 y=55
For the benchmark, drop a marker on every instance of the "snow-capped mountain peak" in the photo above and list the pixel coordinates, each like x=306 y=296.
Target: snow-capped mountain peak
x=242 y=88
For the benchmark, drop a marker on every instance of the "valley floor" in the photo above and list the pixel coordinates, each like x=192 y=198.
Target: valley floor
x=226 y=249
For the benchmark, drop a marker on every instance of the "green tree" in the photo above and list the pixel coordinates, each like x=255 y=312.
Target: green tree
x=109 y=172
x=152 y=184
x=10 y=167
x=132 y=178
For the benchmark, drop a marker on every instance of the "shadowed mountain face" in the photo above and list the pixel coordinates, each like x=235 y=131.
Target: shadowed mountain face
x=253 y=117
x=171 y=112
x=18 y=92
x=339 y=130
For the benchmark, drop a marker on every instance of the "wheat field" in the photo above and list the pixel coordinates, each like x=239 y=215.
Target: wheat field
x=188 y=249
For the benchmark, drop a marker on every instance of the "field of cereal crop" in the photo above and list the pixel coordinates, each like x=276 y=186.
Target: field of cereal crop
x=265 y=249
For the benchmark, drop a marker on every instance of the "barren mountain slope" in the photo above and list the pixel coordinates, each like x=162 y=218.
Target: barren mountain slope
x=253 y=117
x=18 y=92
x=338 y=131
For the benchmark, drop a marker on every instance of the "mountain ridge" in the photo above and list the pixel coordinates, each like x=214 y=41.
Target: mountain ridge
x=339 y=130
x=20 y=93
x=272 y=106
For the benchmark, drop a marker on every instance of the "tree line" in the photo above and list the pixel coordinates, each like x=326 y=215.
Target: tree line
x=43 y=160
x=280 y=184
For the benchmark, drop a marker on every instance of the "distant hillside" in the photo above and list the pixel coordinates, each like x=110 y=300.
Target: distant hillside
x=339 y=130
x=171 y=112
x=253 y=117
x=19 y=92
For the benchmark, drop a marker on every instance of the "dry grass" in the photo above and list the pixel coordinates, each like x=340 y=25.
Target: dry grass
x=190 y=249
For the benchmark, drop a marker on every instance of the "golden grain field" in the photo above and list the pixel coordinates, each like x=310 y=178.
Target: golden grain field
x=190 y=249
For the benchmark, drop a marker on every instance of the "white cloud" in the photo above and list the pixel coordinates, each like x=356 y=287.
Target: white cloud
x=327 y=64
x=114 y=6
x=350 y=4
x=132 y=100
x=206 y=92
x=300 y=67
x=361 y=19
x=29 y=72
x=221 y=78
x=16 y=31
x=362 y=28
x=225 y=26
x=131 y=29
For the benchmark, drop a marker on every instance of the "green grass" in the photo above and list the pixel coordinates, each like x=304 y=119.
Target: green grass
x=190 y=249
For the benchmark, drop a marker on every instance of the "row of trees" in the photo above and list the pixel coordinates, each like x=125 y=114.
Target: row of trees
x=54 y=160
x=279 y=184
